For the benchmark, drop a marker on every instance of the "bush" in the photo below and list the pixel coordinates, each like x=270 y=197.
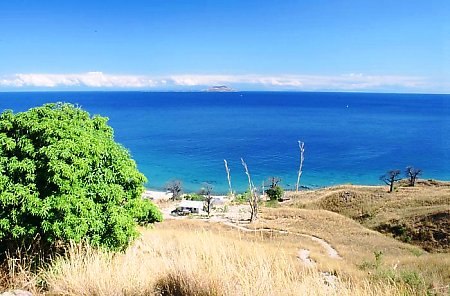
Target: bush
x=145 y=212
x=195 y=196
x=275 y=192
x=63 y=178
x=242 y=198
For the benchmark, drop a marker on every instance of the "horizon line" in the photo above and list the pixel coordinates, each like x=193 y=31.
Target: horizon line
x=222 y=92
x=99 y=81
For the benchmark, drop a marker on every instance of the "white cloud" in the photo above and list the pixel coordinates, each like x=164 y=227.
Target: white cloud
x=306 y=82
x=89 y=79
x=347 y=82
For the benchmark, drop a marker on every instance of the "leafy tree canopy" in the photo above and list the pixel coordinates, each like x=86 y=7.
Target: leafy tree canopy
x=63 y=177
x=275 y=192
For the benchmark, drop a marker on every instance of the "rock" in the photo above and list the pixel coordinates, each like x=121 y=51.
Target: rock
x=16 y=293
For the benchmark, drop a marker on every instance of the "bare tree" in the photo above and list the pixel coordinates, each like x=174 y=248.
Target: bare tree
x=412 y=173
x=228 y=176
x=253 y=199
x=390 y=178
x=274 y=181
x=301 y=146
x=175 y=187
x=206 y=192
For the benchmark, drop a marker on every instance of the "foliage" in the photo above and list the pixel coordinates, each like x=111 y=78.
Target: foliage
x=410 y=278
x=275 y=193
x=241 y=198
x=145 y=212
x=195 y=196
x=273 y=203
x=63 y=177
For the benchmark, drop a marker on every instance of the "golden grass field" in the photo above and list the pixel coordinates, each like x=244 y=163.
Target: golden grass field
x=199 y=257
x=194 y=258
x=419 y=215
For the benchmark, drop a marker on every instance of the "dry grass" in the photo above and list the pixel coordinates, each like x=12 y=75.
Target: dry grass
x=357 y=245
x=173 y=261
x=191 y=257
x=419 y=214
x=17 y=272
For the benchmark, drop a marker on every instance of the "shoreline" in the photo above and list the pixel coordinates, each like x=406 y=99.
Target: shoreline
x=156 y=194
x=164 y=195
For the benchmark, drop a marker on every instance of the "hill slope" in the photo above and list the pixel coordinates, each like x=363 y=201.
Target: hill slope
x=419 y=215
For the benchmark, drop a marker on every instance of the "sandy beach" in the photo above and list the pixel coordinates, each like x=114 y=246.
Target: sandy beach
x=156 y=195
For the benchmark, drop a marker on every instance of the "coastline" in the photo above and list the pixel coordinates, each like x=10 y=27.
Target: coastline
x=164 y=195
x=156 y=194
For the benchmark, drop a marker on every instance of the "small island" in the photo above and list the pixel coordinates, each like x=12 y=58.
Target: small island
x=220 y=88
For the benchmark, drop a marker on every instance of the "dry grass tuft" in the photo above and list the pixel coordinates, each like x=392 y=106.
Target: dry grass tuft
x=17 y=272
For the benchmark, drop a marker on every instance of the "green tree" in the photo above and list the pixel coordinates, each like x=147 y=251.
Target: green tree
x=275 y=191
x=63 y=177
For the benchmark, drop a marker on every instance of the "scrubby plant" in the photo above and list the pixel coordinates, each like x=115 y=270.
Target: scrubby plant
x=64 y=178
x=275 y=191
x=194 y=196
x=241 y=198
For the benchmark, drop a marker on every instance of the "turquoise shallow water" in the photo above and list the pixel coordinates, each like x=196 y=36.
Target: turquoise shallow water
x=349 y=137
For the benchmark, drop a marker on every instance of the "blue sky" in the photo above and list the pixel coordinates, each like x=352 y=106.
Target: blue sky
x=348 y=45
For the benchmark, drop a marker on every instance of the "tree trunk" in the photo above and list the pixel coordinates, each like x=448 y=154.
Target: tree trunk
x=391 y=187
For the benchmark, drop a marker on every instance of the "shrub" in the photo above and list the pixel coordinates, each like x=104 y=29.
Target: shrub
x=242 y=197
x=194 y=196
x=63 y=178
x=275 y=192
x=145 y=212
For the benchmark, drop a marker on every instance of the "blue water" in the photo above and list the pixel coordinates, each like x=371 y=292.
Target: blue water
x=186 y=136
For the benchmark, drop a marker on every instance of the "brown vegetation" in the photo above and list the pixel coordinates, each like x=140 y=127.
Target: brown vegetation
x=418 y=215
x=197 y=257
x=173 y=260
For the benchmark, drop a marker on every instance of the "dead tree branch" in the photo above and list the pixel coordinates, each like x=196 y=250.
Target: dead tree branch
x=301 y=145
x=253 y=199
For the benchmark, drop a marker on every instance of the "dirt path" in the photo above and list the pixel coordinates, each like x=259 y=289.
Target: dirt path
x=329 y=279
x=237 y=213
x=303 y=253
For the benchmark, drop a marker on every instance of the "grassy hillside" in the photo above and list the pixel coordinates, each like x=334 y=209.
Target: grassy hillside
x=366 y=254
x=194 y=258
x=419 y=215
x=322 y=242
